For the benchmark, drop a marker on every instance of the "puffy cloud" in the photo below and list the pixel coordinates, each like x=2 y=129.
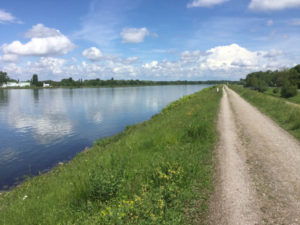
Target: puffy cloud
x=228 y=57
x=9 y=58
x=93 y=54
x=190 y=57
x=222 y=62
x=44 y=42
x=46 y=67
x=131 y=60
x=103 y=22
x=153 y=64
x=6 y=17
x=266 y=5
x=48 y=64
x=40 y=31
x=40 y=47
x=205 y=3
x=272 y=53
x=135 y=35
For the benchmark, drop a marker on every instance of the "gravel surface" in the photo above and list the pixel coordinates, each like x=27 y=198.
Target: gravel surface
x=258 y=178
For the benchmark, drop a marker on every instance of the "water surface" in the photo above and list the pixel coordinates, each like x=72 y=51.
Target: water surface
x=39 y=128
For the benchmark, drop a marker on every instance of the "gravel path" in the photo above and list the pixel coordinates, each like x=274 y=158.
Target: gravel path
x=258 y=180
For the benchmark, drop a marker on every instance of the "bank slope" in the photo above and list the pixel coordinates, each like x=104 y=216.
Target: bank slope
x=156 y=172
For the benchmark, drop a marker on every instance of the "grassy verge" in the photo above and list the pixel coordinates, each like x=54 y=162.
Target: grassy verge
x=156 y=172
x=286 y=115
x=295 y=99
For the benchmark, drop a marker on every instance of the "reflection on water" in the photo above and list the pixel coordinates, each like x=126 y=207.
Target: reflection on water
x=39 y=128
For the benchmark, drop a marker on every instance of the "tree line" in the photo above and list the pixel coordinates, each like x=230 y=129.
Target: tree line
x=287 y=81
x=70 y=82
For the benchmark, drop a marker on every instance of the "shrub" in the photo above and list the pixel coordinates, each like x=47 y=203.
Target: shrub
x=288 y=90
x=275 y=90
x=262 y=86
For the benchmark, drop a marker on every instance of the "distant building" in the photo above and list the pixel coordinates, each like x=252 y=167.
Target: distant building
x=15 y=84
x=46 y=85
x=24 y=84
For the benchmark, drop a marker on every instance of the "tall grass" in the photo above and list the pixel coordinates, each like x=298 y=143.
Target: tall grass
x=294 y=99
x=285 y=114
x=156 y=172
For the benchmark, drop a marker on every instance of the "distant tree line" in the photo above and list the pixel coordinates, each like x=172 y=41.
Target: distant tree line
x=4 y=78
x=286 y=81
x=69 y=82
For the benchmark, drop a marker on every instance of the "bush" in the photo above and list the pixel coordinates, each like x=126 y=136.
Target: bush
x=262 y=86
x=275 y=90
x=288 y=90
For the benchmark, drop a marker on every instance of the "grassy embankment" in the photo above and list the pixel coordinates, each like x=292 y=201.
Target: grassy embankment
x=295 y=99
x=156 y=172
x=286 y=115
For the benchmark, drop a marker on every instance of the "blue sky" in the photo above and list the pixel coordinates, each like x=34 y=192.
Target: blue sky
x=148 y=39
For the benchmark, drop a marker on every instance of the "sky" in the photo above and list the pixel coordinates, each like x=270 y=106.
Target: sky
x=147 y=39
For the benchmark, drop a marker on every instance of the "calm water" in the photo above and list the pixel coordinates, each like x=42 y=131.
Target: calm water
x=39 y=128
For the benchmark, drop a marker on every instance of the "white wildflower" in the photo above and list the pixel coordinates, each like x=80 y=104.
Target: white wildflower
x=25 y=196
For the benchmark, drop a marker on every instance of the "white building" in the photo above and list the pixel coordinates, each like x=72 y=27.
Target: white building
x=46 y=85
x=15 y=84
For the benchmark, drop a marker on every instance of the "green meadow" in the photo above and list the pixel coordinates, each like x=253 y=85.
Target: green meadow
x=156 y=172
x=294 y=99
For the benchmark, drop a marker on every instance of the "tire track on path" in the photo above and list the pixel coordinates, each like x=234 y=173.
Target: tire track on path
x=258 y=168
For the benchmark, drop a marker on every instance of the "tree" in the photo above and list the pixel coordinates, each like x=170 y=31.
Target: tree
x=262 y=86
x=297 y=68
x=3 y=77
x=288 y=90
x=35 y=80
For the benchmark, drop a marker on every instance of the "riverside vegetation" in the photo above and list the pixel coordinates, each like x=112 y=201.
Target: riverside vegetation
x=276 y=93
x=284 y=81
x=285 y=114
x=71 y=83
x=156 y=172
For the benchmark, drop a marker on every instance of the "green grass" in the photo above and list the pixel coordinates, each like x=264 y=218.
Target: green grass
x=156 y=172
x=286 y=115
x=295 y=99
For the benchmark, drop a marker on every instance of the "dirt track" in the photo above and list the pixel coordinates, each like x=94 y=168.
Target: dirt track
x=258 y=168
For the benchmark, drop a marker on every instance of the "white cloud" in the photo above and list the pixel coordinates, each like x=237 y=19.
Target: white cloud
x=40 y=47
x=93 y=54
x=103 y=22
x=135 y=35
x=222 y=62
x=153 y=64
x=269 y=5
x=131 y=60
x=44 y=42
x=205 y=3
x=9 y=58
x=45 y=67
x=40 y=31
x=228 y=57
x=49 y=64
x=190 y=57
x=6 y=17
